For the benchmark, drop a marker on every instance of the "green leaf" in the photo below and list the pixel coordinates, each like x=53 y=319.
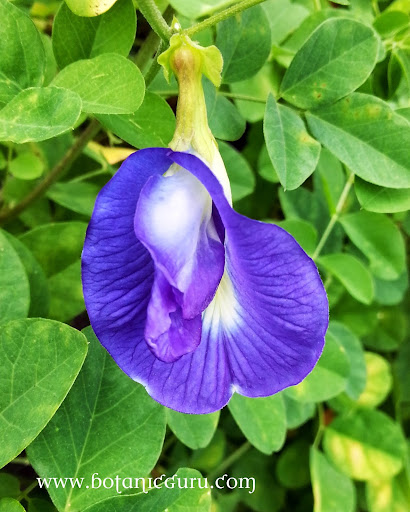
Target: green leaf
x=329 y=178
x=262 y=420
x=39 y=113
x=379 y=381
x=293 y=152
x=380 y=240
x=388 y=495
x=22 y=53
x=297 y=413
x=267 y=495
x=336 y=59
x=107 y=84
x=26 y=166
x=206 y=459
x=351 y=272
x=292 y=469
x=245 y=43
x=284 y=17
x=333 y=491
x=77 y=196
x=225 y=121
x=365 y=444
x=57 y=247
x=328 y=378
x=389 y=331
x=39 y=293
x=9 y=486
x=239 y=172
x=390 y=293
x=10 y=505
x=381 y=199
x=388 y=24
x=357 y=378
x=168 y=497
x=66 y=292
x=265 y=167
x=258 y=87
x=90 y=7
x=304 y=233
x=152 y=125
x=40 y=361
x=77 y=37
x=14 y=284
x=367 y=136
x=113 y=428
x=194 y=430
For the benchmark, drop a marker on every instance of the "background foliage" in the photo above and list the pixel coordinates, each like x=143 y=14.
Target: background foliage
x=312 y=121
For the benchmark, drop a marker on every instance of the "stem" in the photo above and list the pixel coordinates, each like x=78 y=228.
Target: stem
x=376 y=8
x=150 y=46
x=241 y=97
x=217 y=18
x=237 y=454
x=321 y=427
x=154 y=17
x=89 y=133
x=335 y=216
x=27 y=490
x=155 y=67
x=21 y=460
x=318 y=5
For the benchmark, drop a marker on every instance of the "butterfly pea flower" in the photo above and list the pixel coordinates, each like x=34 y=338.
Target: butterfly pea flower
x=192 y=299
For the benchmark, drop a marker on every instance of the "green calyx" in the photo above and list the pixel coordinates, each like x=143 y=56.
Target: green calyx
x=207 y=61
x=189 y=61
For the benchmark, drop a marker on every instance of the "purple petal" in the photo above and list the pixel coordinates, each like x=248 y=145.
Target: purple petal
x=263 y=331
x=174 y=221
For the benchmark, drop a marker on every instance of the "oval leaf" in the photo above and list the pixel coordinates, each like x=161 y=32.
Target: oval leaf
x=38 y=114
x=166 y=497
x=328 y=378
x=336 y=59
x=333 y=491
x=107 y=84
x=39 y=293
x=152 y=125
x=351 y=272
x=14 y=284
x=382 y=199
x=239 y=172
x=114 y=428
x=194 y=430
x=40 y=361
x=22 y=53
x=89 y=7
x=380 y=240
x=367 y=136
x=77 y=37
x=245 y=43
x=379 y=381
x=262 y=420
x=10 y=505
x=355 y=353
x=365 y=444
x=293 y=152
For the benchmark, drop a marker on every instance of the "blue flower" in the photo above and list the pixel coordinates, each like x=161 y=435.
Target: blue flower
x=192 y=299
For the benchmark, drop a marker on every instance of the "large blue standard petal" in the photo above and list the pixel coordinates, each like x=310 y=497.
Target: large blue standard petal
x=264 y=329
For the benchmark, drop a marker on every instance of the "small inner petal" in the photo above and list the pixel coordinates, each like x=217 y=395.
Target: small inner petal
x=174 y=221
